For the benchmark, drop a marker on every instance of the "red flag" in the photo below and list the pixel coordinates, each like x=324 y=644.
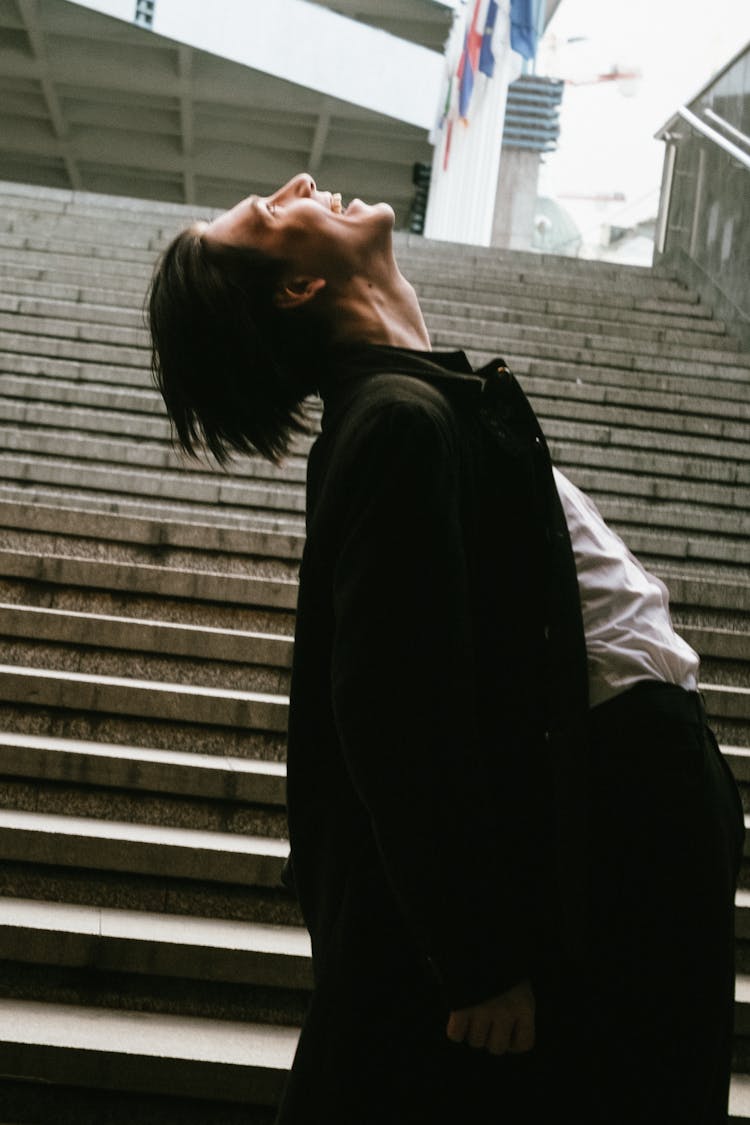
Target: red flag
x=468 y=63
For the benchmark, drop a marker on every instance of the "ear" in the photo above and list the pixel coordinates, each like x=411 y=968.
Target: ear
x=297 y=291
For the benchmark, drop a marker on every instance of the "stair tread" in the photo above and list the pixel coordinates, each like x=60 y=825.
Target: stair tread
x=118 y=751
x=144 y=926
x=200 y=632
x=150 y=685
x=55 y=824
x=76 y=1027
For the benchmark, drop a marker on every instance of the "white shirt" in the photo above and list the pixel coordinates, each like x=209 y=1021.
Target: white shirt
x=626 y=621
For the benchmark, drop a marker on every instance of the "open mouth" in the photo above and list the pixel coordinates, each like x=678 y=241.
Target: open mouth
x=336 y=205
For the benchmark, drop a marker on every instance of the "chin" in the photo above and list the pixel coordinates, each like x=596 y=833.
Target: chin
x=382 y=211
x=388 y=212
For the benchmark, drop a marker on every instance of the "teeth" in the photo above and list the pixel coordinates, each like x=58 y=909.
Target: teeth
x=336 y=203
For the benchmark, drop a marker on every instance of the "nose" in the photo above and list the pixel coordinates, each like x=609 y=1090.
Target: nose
x=302 y=185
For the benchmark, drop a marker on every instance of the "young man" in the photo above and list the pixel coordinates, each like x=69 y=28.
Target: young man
x=513 y=838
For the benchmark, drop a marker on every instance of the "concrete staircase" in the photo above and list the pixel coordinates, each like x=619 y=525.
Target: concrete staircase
x=152 y=968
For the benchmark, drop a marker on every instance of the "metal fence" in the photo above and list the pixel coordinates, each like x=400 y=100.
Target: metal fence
x=703 y=228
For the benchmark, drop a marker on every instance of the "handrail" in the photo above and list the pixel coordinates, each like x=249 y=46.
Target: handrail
x=723 y=124
x=712 y=81
x=712 y=135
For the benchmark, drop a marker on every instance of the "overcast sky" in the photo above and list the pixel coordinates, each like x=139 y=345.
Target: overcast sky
x=606 y=143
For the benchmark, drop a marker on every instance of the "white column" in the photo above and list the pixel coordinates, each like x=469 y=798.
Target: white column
x=461 y=204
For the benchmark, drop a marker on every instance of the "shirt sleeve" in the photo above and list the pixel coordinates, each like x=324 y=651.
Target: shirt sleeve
x=405 y=707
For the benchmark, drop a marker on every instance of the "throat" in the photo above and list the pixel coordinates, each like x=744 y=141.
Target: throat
x=382 y=314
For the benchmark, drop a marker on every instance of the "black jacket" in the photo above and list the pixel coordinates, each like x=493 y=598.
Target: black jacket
x=439 y=682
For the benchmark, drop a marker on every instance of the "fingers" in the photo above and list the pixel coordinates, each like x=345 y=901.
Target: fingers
x=503 y=1025
x=500 y=1037
x=458 y=1025
x=522 y=1037
x=478 y=1032
x=469 y=1027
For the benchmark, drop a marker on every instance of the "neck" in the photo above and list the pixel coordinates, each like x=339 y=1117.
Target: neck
x=379 y=306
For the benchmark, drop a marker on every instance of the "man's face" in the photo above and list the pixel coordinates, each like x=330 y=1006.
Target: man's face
x=306 y=228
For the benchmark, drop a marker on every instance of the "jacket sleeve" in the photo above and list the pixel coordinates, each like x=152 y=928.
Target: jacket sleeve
x=404 y=701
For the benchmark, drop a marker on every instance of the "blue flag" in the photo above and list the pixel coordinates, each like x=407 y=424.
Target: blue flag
x=486 y=57
x=468 y=63
x=523 y=27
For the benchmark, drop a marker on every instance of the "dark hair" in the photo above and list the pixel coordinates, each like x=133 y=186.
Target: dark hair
x=232 y=368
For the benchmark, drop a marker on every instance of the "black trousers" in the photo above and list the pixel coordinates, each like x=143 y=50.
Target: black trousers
x=639 y=1034
x=667 y=835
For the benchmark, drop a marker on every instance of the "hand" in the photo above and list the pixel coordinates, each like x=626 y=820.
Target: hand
x=504 y=1023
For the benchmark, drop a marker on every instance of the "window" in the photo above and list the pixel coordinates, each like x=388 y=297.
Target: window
x=144 y=12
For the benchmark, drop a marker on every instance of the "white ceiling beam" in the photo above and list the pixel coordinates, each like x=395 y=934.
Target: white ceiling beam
x=102 y=76
x=29 y=13
x=242 y=165
x=319 y=139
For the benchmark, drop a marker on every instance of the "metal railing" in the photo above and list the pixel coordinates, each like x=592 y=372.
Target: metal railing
x=703 y=227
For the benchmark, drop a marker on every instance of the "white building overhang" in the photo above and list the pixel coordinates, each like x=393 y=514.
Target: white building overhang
x=93 y=102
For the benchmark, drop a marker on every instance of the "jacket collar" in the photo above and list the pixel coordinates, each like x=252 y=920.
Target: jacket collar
x=450 y=371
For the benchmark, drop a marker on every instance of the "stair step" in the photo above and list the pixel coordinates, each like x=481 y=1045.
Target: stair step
x=203 y=487
x=51 y=371
x=145 y=849
x=551 y=297
x=614 y=407
x=738 y=758
x=42 y=417
x=156 y=944
x=196 y=585
x=254 y=521
x=637 y=516
x=709 y=333
x=18 y=279
x=653 y=462
x=652 y=489
x=726 y=644
x=609 y=348
x=158 y=533
x=706 y=593
x=143 y=454
x=184 y=773
x=111 y=257
x=655 y=375
x=693 y=548
x=739 y=1099
x=70 y=390
x=39 y=326
x=108 y=631
x=726 y=702
x=146 y=698
x=611 y=438
x=145 y=1051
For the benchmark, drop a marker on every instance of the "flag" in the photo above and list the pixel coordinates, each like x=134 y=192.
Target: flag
x=486 y=57
x=468 y=63
x=523 y=32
